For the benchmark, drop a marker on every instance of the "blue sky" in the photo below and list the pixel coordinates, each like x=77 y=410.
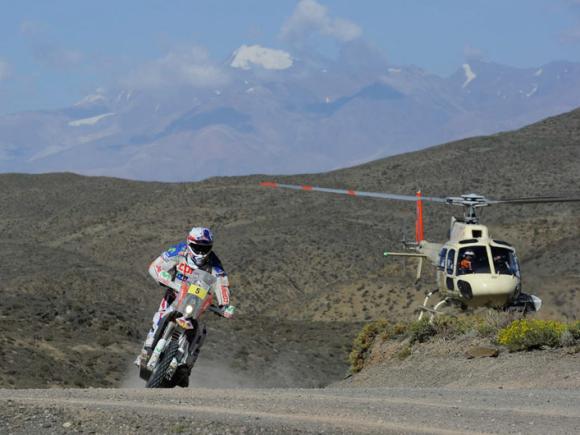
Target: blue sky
x=54 y=52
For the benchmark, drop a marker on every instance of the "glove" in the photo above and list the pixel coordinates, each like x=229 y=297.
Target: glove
x=226 y=311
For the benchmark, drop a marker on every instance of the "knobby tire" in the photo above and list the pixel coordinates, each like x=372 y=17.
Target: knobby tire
x=158 y=375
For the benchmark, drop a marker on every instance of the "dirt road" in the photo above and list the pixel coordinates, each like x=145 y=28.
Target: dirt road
x=249 y=411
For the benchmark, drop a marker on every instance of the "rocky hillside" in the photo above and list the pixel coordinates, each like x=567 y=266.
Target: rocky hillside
x=76 y=296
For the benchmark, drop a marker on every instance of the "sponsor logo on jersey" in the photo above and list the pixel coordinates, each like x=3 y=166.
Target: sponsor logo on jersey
x=185 y=269
x=165 y=276
x=174 y=251
x=225 y=295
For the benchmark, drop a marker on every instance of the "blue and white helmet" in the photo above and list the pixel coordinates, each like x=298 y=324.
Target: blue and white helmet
x=199 y=244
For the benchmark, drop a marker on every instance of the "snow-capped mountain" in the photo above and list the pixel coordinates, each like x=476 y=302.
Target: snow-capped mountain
x=283 y=113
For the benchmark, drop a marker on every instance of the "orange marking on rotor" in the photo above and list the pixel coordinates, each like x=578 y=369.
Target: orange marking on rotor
x=419 y=235
x=268 y=184
x=351 y=192
x=304 y=187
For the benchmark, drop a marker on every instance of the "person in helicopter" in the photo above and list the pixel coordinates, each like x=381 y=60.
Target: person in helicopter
x=502 y=264
x=466 y=262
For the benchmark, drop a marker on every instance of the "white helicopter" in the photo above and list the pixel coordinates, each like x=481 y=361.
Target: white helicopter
x=473 y=269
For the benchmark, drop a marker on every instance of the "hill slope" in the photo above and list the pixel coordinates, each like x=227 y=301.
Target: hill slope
x=75 y=252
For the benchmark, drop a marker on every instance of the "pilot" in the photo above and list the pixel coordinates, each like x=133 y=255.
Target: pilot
x=465 y=265
x=502 y=265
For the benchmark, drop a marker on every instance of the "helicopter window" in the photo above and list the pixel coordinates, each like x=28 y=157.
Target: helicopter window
x=450 y=261
x=504 y=261
x=442 y=256
x=476 y=233
x=473 y=259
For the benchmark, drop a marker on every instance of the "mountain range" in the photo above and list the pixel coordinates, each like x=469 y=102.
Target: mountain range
x=276 y=112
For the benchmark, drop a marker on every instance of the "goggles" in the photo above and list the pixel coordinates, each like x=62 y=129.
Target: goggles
x=200 y=249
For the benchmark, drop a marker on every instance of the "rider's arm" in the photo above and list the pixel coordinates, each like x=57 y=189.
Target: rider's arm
x=162 y=271
x=222 y=291
x=221 y=304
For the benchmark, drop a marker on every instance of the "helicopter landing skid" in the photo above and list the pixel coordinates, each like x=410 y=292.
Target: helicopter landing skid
x=432 y=311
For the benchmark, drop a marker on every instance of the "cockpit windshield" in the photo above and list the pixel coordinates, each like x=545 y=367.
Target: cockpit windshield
x=473 y=259
x=505 y=261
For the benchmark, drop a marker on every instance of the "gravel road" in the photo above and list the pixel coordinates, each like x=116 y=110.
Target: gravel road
x=276 y=411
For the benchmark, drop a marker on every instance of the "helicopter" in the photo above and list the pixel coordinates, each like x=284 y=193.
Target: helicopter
x=473 y=269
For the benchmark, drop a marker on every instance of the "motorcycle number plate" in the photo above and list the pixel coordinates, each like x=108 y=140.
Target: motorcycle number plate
x=197 y=291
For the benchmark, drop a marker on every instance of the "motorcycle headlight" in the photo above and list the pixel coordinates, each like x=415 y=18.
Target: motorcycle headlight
x=188 y=309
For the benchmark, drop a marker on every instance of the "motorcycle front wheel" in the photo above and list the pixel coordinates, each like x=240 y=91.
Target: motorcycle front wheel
x=157 y=378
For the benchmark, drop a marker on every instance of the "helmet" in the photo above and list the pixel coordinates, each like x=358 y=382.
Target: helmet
x=199 y=244
x=469 y=254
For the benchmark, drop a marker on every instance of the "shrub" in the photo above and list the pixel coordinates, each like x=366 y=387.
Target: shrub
x=485 y=329
x=492 y=321
x=450 y=327
x=364 y=341
x=404 y=353
x=401 y=329
x=421 y=331
x=567 y=339
x=531 y=334
x=574 y=329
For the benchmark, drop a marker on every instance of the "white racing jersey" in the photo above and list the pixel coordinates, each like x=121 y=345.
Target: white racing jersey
x=172 y=267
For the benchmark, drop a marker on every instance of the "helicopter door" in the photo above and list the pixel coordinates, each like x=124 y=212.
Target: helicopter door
x=449 y=269
x=441 y=268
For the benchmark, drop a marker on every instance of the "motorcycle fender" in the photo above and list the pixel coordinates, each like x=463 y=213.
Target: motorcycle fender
x=184 y=323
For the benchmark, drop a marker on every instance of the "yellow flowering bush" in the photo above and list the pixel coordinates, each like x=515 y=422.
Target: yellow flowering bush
x=531 y=334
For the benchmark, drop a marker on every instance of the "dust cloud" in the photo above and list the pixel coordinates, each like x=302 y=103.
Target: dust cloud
x=286 y=370
x=206 y=373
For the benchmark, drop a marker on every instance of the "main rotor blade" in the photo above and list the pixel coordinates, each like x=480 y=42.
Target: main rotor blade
x=352 y=192
x=536 y=200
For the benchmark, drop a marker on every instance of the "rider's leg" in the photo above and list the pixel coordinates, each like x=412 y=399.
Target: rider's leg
x=164 y=307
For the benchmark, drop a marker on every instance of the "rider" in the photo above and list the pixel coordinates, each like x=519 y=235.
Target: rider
x=174 y=266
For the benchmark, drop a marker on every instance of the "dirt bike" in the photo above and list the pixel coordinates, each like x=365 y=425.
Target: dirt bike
x=180 y=334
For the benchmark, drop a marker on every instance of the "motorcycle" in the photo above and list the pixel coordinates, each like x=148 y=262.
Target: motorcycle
x=180 y=333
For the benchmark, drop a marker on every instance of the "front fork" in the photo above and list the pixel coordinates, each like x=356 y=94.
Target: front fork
x=176 y=329
x=189 y=346
x=160 y=346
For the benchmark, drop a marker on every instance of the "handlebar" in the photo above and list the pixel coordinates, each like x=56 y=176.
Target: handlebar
x=215 y=309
